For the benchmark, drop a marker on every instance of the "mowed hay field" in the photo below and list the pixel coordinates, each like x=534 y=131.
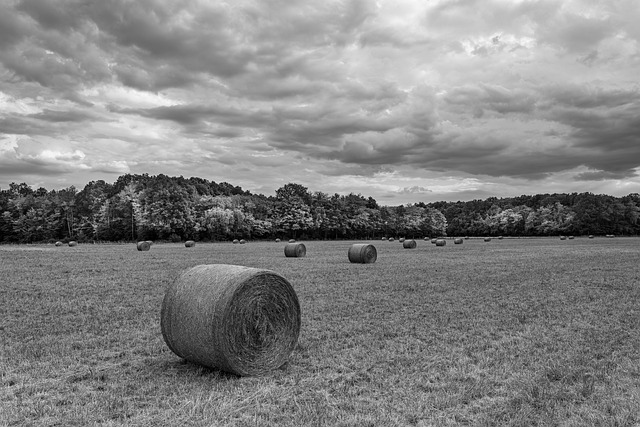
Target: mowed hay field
x=508 y=332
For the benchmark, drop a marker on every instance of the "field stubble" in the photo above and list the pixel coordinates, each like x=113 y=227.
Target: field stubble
x=510 y=332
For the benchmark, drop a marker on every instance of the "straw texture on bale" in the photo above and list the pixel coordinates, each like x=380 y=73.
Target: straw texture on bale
x=238 y=319
x=144 y=246
x=362 y=253
x=189 y=244
x=441 y=242
x=487 y=239
x=73 y=243
x=58 y=243
x=409 y=244
x=457 y=241
x=295 y=250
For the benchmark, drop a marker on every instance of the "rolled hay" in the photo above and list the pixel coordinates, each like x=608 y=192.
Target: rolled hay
x=591 y=236
x=457 y=241
x=362 y=253
x=242 y=241
x=426 y=239
x=277 y=240
x=391 y=239
x=292 y=240
x=189 y=244
x=401 y=240
x=58 y=243
x=466 y=237
x=241 y=320
x=571 y=237
x=384 y=238
x=563 y=237
x=409 y=244
x=441 y=242
x=500 y=237
x=150 y=242
x=434 y=241
x=143 y=246
x=487 y=239
x=295 y=250
x=73 y=243
x=235 y=241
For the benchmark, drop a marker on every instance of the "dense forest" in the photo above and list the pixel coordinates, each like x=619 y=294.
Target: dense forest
x=143 y=207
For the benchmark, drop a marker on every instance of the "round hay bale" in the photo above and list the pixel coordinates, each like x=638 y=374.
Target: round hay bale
x=238 y=319
x=295 y=250
x=292 y=240
x=591 y=236
x=150 y=242
x=189 y=244
x=384 y=238
x=426 y=238
x=434 y=241
x=235 y=241
x=58 y=243
x=500 y=237
x=457 y=241
x=362 y=253
x=242 y=241
x=143 y=246
x=277 y=240
x=571 y=237
x=391 y=239
x=487 y=239
x=401 y=240
x=563 y=237
x=73 y=243
x=409 y=244
x=441 y=242
x=466 y=237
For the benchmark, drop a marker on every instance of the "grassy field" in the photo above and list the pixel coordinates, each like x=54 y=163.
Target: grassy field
x=518 y=332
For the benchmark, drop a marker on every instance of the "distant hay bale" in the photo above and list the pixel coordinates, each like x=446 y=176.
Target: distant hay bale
x=143 y=246
x=401 y=240
x=457 y=241
x=466 y=237
x=292 y=240
x=58 y=243
x=384 y=238
x=591 y=236
x=487 y=239
x=235 y=241
x=73 y=243
x=434 y=241
x=277 y=240
x=441 y=242
x=391 y=239
x=571 y=237
x=409 y=244
x=189 y=244
x=563 y=237
x=362 y=253
x=242 y=241
x=295 y=250
x=426 y=239
x=500 y=237
x=611 y=236
x=241 y=320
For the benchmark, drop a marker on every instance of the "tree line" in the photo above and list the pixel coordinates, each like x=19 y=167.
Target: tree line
x=143 y=207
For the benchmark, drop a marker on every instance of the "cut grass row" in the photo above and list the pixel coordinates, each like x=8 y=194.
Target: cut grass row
x=511 y=332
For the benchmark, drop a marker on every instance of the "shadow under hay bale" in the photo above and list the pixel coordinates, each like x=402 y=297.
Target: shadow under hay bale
x=189 y=244
x=457 y=241
x=295 y=250
x=73 y=243
x=362 y=253
x=409 y=244
x=143 y=246
x=241 y=320
x=441 y=242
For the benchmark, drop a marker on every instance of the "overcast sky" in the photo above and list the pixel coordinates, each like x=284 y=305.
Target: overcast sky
x=403 y=100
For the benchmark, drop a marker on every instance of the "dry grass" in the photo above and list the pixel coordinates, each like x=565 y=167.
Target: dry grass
x=528 y=332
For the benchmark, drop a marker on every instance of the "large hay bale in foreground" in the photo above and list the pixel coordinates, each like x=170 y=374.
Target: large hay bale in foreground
x=409 y=244
x=457 y=241
x=143 y=246
x=238 y=319
x=189 y=244
x=58 y=243
x=441 y=242
x=295 y=250
x=362 y=253
x=73 y=243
